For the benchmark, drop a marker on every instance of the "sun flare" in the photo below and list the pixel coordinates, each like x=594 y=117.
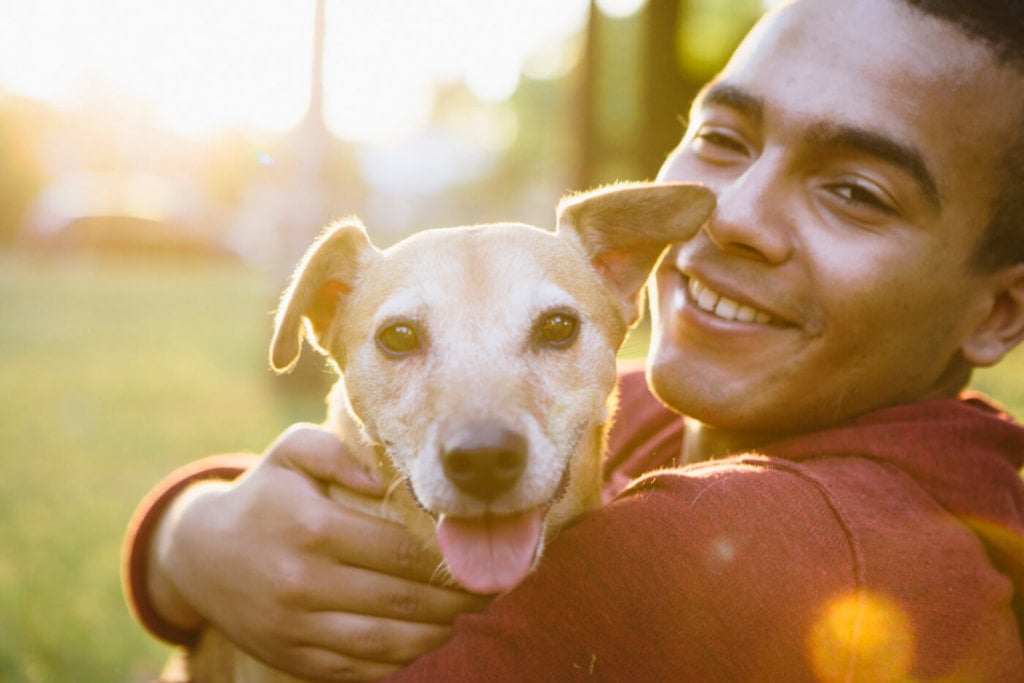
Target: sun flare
x=201 y=67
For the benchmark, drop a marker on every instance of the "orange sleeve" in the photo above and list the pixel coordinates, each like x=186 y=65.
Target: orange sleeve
x=135 y=552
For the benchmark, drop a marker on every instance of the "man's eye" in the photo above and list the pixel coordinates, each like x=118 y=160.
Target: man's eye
x=398 y=339
x=719 y=145
x=857 y=195
x=721 y=140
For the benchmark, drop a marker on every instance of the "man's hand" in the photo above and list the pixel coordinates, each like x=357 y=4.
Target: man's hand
x=296 y=579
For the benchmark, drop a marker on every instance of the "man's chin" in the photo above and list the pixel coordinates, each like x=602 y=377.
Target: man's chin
x=673 y=383
x=724 y=405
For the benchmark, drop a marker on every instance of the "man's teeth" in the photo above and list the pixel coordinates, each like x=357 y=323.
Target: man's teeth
x=724 y=307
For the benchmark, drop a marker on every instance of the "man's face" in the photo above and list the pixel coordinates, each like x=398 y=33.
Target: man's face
x=853 y=148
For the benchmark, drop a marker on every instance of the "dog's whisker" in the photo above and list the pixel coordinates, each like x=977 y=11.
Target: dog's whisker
x=393 y=487
x=442 y=576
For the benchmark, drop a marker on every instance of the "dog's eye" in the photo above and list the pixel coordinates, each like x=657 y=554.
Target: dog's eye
x=556 y=329
x=398 y=339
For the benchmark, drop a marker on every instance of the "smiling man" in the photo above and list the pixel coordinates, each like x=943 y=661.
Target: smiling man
x=834 y=507
x=855 y=176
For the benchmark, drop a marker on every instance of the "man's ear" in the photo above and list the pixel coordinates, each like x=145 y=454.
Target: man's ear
x=1002 y=320
x=326 y=274
x=624 y=229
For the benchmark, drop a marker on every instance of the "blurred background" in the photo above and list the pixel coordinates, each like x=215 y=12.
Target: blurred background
x=163 y=164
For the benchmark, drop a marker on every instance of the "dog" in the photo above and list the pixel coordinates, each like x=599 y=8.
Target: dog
x=477 y=368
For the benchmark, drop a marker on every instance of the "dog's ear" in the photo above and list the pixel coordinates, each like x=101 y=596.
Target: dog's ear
x=325 y=275
x=624 y=229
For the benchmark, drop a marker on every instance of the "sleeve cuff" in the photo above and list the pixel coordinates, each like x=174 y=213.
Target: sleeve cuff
x=135 y=552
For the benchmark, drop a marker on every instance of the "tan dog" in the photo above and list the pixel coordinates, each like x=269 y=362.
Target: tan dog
x=481 y=362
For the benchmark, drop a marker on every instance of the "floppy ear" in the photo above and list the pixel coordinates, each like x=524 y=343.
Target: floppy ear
x=624 y=229
x=324 y=277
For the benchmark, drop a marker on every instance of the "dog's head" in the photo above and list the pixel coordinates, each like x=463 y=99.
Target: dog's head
x=482 y=358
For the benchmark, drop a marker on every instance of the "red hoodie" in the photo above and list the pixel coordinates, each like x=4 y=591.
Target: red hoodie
x=887 y=548
x=890 y=548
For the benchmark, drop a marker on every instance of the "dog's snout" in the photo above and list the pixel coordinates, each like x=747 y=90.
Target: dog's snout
x=484 y=460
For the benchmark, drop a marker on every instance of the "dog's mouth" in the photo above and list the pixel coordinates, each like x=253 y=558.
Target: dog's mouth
x=493 y=553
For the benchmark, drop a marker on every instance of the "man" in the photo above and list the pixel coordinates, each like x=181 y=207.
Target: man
x=867 y=252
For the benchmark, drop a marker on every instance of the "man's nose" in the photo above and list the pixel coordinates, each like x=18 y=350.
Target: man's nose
x=754 y=217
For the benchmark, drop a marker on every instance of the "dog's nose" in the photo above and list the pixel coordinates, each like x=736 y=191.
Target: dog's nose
x=485 y=460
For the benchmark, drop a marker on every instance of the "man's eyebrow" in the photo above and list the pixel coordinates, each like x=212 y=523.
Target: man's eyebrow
x=725 y=95
x=893 y=151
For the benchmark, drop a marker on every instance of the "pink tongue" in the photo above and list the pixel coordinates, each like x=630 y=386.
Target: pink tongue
x=490 y=554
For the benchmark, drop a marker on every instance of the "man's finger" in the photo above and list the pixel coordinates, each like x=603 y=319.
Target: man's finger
x=322 y=664
x=342 y=533
x=373 y=639
x=322 y=456
x=371 y=593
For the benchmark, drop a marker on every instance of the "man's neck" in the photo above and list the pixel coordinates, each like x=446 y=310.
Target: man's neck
x=703 y=442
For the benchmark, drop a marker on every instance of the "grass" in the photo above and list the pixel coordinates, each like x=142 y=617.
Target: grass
x=112 y=372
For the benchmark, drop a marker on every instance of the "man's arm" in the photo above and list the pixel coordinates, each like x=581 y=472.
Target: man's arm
x=694 y=577
x=269 y=557
x=142 y=598
x=284 y=571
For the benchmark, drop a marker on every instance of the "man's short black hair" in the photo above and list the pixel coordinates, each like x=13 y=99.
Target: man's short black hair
x=1000 y=25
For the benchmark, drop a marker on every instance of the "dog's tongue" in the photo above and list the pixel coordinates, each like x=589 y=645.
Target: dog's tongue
x=490 y=554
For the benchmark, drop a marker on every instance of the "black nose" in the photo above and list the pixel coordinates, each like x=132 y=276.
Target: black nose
x=484 y=460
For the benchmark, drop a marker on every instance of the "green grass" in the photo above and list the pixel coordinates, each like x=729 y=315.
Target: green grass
x=112 y=372
x=1005 y=382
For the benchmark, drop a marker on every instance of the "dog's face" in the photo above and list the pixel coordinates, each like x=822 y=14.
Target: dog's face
x=489 y=343
x=482 y=358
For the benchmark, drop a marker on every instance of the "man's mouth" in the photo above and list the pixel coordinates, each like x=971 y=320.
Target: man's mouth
x=723 y=307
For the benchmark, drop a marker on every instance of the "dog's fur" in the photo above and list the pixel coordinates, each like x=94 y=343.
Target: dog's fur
x=489 y=344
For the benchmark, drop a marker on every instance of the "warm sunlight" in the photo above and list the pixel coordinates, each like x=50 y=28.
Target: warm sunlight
x=620 y=8
x=198 y=65
x=868 y=628
x=201 y=67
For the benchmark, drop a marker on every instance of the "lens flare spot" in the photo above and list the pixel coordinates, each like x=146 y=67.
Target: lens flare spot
x=862 y=637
